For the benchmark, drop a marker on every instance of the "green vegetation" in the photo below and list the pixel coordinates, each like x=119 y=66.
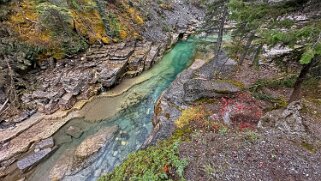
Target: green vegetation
x=65 y=28
x=160 y=162
x=270 y=24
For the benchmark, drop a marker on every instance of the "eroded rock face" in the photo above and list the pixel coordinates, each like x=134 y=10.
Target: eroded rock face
x=95 y=142
x=85 y=75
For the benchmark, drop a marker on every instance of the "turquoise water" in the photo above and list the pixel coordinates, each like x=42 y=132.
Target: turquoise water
x=133 y=118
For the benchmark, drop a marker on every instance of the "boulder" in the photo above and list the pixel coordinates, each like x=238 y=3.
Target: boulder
x=74 y=131
x=67 y=101
x=46 y=143
x=111 y=71
x=288 y=120
x=33 y=159
x=108 y=77
x=94 y=143
x=197 y=88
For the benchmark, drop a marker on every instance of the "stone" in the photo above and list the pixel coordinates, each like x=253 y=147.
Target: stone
x=33 y=159
x=46 y=143
x=111 y=72
x=108 y=77
x=94 y=143
x=197 y=88
x=72 y=85
x=67 y=101
x=74 y=131
x=89 y=92
x=141 y=135
x=288 y=120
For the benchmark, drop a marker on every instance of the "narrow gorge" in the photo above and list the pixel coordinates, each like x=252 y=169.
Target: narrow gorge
x=160 y=90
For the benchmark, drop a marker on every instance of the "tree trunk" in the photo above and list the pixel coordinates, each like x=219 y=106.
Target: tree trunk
x=296 y=93
x=255 y=60
x=247 y=47
x=221 y=30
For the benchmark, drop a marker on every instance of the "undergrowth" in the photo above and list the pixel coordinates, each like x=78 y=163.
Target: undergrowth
x=159 y=162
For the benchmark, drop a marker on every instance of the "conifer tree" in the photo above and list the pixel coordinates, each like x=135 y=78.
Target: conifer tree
x=271 y=24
